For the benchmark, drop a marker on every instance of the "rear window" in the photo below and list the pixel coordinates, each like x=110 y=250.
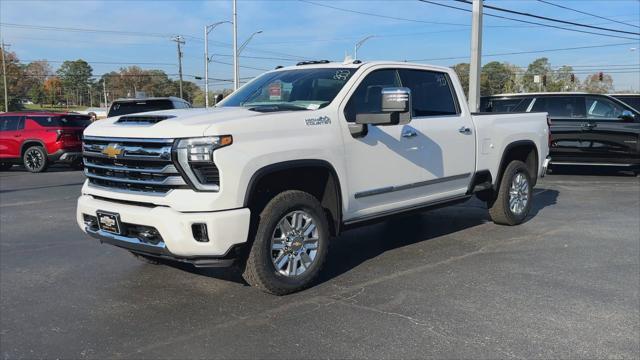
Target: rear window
x=505 y=105
x=132 y=107
x=63 y=121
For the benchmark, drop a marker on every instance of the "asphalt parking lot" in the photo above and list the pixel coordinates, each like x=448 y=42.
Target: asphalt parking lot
x=445 y=283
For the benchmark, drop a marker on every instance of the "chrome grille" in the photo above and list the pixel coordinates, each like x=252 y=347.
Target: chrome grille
x=142 y=165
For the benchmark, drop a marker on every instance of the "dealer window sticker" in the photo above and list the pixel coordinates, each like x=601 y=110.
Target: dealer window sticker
x=342 y=75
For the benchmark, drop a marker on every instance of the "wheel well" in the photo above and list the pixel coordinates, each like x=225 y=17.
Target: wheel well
x=29 y=143
x=524 y=151
x=316 y=178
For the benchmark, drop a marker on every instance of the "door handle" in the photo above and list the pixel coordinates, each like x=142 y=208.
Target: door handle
x=588 y=126
x=409 y=133
x=464 y=130
x=17 y=135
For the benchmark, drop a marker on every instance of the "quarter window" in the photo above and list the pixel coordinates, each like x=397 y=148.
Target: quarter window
x=431 y=92
x=566 y=107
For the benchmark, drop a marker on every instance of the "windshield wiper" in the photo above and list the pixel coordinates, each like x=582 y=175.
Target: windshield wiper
x=275 y=107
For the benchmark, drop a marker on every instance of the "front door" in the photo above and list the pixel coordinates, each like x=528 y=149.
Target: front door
x=399 y=166
x=10 y=136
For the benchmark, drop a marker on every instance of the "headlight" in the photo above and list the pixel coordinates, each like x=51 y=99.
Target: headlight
x=195 y=157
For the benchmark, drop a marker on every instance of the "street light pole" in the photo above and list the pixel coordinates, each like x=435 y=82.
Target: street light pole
x=238 y=52
x=4 y=76
x=236 y=67
x=476 y=57
x=207 y=30
x=179 y=41
x=358 y=45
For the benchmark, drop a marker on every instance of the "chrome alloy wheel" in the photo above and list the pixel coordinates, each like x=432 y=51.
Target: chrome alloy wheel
x=33 y=159
x=518 y=194
x=294 y=243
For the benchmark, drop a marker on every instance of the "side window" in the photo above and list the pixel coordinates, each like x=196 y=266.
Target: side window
x=368 y=96
x=566 y=107
x=600 y=108
x=431 y=92
x=9 y=123
x=506 y=105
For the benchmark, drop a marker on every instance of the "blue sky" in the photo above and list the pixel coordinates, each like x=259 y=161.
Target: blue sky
x=295 y=29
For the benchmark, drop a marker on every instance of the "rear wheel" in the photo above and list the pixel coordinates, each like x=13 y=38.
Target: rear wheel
x=290 y=244
x=513 y=201
x=35 y=159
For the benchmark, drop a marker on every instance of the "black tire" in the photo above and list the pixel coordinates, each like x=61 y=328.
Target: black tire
x=499 y=209
x=5 y=166
x=260 y=270
x=35 y=159
x=146 y=259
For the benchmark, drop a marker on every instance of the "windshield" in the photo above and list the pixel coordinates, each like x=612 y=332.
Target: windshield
x=64 y=120
x=300 y=89
x=132 y=107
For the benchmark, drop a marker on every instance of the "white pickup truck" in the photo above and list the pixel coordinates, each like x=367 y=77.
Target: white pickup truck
x=294 y=158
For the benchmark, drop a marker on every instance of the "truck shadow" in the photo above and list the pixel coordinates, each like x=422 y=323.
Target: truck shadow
x=356 y=246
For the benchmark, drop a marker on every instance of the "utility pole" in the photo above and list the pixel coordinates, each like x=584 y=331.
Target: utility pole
x=476 y=57
x=179 y=41
x=207 y=60
x=236 y=66
x=4 y=76
x=104 y=90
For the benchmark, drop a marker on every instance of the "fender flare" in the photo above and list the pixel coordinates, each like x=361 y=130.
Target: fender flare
x=504 y=155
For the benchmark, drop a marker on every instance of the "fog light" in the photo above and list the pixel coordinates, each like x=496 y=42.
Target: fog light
x=91 y=222
x=199 y=231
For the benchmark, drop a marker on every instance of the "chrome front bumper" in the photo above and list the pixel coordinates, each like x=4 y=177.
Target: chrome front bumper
x=545 y=166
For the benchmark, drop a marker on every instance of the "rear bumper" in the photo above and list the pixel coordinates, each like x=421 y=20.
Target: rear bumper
x=545 y=166
x=66 y=155
x=225 y=231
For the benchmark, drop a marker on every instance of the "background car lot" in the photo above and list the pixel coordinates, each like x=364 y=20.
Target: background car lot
x=445 y=283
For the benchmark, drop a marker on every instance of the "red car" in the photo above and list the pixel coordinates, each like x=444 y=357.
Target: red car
x=37 y=139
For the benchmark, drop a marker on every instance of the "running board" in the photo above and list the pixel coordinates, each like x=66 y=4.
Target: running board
x=592 y=164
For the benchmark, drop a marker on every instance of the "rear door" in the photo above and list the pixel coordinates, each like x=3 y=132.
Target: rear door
x=612 y=139
x=569 y=127
x=10 y=136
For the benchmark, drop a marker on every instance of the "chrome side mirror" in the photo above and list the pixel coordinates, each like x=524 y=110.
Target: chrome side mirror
x=395 y=108
x=627 y=116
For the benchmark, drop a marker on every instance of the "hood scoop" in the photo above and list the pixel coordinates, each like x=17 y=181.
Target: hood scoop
x=143 y=119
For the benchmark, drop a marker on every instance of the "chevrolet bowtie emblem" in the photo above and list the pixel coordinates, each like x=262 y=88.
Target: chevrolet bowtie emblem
x=112 y=150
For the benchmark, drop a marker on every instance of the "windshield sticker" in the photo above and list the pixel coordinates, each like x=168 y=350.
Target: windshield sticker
x=342 y=75
x=275 y=91
x=322 y=120
x=313 y=106
x=441 y=79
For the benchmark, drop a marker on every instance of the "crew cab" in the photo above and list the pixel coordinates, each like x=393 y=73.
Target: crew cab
x=586 y=129
x=38 y=139
x=297 y=156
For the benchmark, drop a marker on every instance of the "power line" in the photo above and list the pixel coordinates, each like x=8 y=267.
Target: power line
x=529 y=22
x=551 y=19
x=246 y=67
x=586 y=13
x=530 y=51
x=104 y=62
x=85 y=30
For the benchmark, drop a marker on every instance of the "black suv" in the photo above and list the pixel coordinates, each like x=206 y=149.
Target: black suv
x=133 y=106
x=586 y=129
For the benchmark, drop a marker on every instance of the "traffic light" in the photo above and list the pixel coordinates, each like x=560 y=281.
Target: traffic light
x=600 y=76
x=573 y=78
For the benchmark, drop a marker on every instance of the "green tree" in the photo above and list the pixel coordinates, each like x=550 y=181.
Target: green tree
x=76 y=78
x=496 y=78
x=462 y=70
x=15 y=82
x=592 y=84
x=561 y=80
x=540 y=67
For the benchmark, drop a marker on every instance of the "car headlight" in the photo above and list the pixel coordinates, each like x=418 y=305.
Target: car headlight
x=195 y=157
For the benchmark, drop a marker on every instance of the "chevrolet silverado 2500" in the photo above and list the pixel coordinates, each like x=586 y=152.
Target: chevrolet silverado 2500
x=294 y=158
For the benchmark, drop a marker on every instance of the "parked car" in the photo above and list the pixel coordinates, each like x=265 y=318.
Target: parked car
x=132 y=106
x=38 y=139
x=297 y=156
x=95 y=113
x=632 y=100
x=586 y=129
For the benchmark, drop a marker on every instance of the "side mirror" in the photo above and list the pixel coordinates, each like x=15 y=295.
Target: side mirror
x=217 y=98
x=395 y=108
x=627 y=116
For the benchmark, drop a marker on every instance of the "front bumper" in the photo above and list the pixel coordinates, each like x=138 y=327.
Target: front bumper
x=225 y=229
x=545 y=166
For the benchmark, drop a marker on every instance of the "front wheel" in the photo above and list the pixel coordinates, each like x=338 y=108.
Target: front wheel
x=35 y=159
x=513 y=201
x=290 y=244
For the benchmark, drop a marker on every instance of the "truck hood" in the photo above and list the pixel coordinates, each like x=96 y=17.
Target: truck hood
x=182 y=123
